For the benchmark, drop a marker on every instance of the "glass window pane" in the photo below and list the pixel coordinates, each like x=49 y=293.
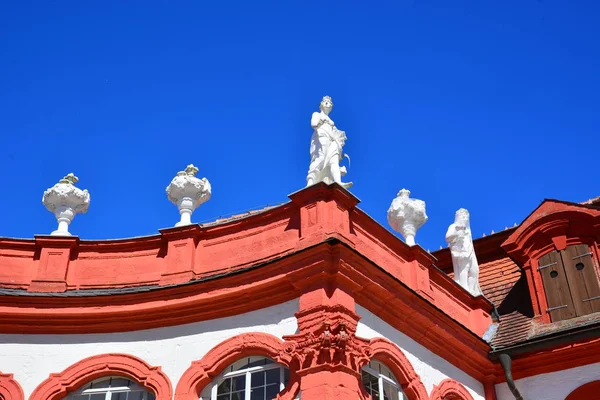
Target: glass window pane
x=257 y=394
x=81 y=397
x=98 y=396
x=272 y=391
x=223 y=397
x=224 y=387
x=137 y=395
x=238 y=382
x=257 y=362
x=105 y=383
x=118 y=396
x=390 y=391
x=273 y=376
x=258 y=379
x=119 y=382
x=238 y=395
x=370 y=382
x=150 y=396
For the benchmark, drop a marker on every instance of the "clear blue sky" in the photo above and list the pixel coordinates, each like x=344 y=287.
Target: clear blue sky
x=488 y=105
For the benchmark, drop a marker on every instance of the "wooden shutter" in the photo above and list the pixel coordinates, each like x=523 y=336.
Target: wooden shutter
x=582 y=277
x=558 y=295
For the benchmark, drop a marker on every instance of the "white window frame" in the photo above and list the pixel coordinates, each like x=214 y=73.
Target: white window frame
x=248 y=373
x=133 y=387
x=381 y=378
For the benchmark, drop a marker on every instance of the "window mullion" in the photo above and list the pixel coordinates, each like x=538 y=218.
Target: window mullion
x=248 y=386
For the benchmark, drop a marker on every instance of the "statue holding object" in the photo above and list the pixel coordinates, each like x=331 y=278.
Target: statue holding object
x=464 y=260
x=326 y=148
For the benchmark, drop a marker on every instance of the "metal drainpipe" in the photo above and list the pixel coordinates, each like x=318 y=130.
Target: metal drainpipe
x=506 y=363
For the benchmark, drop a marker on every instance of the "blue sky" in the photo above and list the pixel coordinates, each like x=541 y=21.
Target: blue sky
x=488 y=105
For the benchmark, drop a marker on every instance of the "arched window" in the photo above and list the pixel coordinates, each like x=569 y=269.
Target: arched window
x=251 y=378
x=380 y=382
x=111 y=388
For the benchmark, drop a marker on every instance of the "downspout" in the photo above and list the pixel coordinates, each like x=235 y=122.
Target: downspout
x=506 y=363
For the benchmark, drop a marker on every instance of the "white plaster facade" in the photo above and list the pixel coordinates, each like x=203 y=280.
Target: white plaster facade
x=553 y=386
x=32 y=358
x=432 y=368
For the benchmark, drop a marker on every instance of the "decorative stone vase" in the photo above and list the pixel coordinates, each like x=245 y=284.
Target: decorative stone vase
x=187 y=192
x=65 y=201
x=406 y=216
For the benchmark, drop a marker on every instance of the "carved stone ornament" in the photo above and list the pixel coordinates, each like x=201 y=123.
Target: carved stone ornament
x=333 y=344
x=327 y=337
x=326 y=146
x=406 y=215
x=187 y=192
x=64 y=200
x=464 y=260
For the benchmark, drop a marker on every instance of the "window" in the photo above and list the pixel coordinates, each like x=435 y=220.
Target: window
x=380 y=383
x=570 y=280
x=252 y=378
x=113 y=388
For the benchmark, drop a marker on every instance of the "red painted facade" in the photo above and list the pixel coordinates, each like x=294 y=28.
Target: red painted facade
x=319 y=248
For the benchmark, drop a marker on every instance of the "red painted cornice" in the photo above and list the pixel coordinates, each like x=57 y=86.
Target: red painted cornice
x=552 y=359
x=196 y=273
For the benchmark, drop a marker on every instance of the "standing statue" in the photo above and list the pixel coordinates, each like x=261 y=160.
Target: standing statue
x=464 y=260
x=326 y=148
x=406 y=215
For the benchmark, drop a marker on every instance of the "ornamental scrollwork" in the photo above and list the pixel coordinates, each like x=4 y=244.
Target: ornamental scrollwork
x=331 y=345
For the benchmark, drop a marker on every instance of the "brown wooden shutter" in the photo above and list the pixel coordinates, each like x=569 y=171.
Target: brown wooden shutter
x=582 y=277
x=558 y=295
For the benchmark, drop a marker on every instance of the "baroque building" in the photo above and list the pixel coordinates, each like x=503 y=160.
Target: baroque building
x=312 y=299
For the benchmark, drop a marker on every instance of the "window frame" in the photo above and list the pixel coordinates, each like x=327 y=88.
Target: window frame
x=381 y=378
x=248 y=373
x=108 y=391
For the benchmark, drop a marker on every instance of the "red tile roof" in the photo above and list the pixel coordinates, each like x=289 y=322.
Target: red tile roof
x=514 y=328
x=224 y=220
x=497 y=278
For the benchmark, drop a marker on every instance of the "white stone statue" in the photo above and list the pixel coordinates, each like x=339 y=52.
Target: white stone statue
x=406 y=215
x=65 y=201
x=464 y=260
x=187 y=192
x=326 y=146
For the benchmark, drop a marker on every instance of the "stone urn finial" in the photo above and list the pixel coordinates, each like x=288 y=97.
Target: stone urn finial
x=406 y=215
x=65 y=200
x=187 y=192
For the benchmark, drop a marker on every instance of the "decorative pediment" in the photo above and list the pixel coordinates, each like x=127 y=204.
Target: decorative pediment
x=551 y=226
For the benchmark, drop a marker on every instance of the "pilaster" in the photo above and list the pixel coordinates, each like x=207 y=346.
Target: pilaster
x=181 y=245
x=324 y=212
x=55 y=255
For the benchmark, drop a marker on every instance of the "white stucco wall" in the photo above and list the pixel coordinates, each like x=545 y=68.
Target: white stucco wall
x=432 y=368
x=553 y=386
x=31 y=358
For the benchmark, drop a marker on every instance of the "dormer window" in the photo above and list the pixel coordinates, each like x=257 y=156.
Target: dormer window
x=571 y=284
